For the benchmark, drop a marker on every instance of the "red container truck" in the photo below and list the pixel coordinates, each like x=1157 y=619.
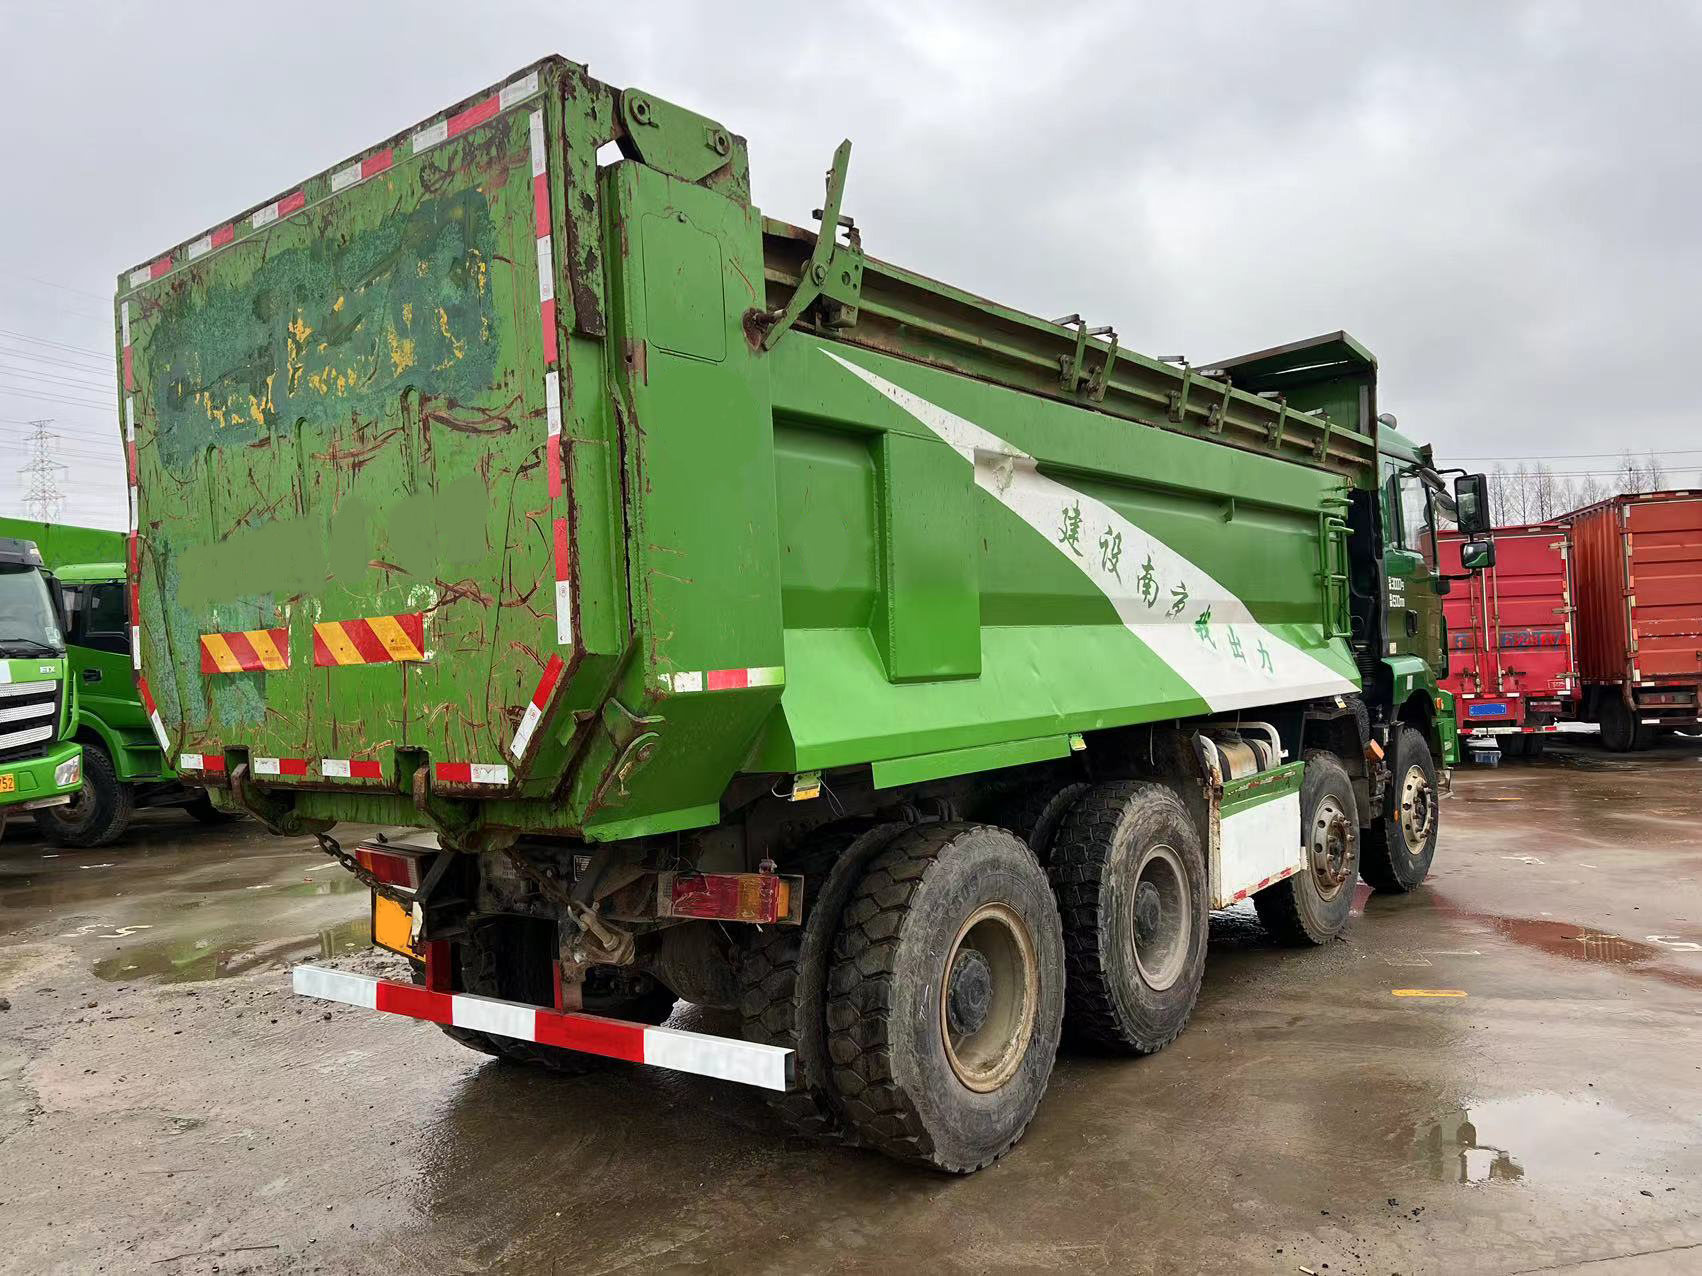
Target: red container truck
x=1512 y=660
x=1637 y=564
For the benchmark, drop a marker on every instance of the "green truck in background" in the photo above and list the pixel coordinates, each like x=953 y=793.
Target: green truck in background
x=40 y=765
x=664 y=567
x=124 y=767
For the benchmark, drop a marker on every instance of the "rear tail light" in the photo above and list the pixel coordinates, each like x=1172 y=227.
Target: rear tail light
x=764 y=898
x=392 y=865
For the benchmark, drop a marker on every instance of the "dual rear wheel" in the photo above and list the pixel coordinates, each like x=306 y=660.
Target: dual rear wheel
x=954 y=962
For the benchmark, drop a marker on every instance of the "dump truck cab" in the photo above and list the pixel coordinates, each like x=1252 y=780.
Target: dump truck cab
x=124 y=768
x=40 y=766
x=1396 y=582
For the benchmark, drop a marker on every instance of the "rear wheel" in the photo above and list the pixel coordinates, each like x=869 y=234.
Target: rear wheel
x=98 y=813
x=1130 y=881
x=945 y=997
x=1621 y=731
x=1035 y=811
x=1313 y=905
x=783 y=977
x=1396 y=849
x=202 y=810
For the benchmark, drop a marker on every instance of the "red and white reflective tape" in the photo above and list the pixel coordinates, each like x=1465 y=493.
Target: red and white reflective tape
x=560 y=533
x=478 y=113
x=279 y=209
x=153 y=270
x=1272 y=880
x=724 y=1058
x=211 y=240
x=351 y=768
x=294 y=768
x=153 y=713
x=471 y=773
x=535 y=711
x=546 y=245
x=362 y=169
x=206 y=763
x=129 y=364
x=724 y=679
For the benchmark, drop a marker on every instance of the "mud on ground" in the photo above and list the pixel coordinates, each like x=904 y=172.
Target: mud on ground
x=167 y=1106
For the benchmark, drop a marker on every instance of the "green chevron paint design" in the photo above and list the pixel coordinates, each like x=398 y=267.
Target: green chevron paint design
x=1172 y=606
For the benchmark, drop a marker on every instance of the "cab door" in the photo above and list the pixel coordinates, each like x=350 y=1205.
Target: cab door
x=1410 y=562
x=99 y=646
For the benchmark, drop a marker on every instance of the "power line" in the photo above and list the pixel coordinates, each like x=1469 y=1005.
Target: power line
x=1585 y=456
x=48 y=283
x=29 y=393
x=62 y=345
x=59 y=378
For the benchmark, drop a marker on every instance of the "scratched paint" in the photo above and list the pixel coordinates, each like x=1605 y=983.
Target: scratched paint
x=328 y=332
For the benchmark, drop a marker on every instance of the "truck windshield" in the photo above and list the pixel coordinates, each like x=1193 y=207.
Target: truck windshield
x=28 y=626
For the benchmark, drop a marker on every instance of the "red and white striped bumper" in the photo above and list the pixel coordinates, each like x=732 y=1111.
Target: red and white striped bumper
x=724 y=1058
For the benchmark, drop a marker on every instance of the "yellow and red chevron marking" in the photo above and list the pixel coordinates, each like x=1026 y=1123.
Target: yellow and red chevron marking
x=369 y=640
x=247 y=651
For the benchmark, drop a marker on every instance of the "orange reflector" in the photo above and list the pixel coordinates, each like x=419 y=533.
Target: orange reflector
x=762 y=898
x=393 y=927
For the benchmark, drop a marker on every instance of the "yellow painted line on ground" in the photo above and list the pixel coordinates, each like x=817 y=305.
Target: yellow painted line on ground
x=1428 y=992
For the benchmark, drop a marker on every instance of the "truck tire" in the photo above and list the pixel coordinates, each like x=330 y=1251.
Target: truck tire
x=946 y=996
x=99 y=813
x=1313 y=905
x=500 y=958
x=1395 y=850
x=1131 y=885
x=783 y=977
x=1035 y=811
x=1621 y=731
x=202 y=811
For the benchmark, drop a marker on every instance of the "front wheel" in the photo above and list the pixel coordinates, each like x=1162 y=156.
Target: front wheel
x=1398 y=847
x=98 y=813
x=1621 y=730
x=946 y=996
x=1313 y=905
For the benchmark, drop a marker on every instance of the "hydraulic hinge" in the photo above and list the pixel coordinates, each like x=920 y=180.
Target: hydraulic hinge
x=834 y=272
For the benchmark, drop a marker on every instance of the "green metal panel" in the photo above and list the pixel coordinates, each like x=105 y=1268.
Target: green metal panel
x=909 y=528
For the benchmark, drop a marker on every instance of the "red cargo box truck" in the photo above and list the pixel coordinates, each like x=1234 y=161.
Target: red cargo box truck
x=1637 y=565
x=1512 y=661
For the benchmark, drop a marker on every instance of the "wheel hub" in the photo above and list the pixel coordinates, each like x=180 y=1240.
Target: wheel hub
x=1418 y=809
x=1331 y=843
x=969 y=992
x=988 y=993
x=1160 y=924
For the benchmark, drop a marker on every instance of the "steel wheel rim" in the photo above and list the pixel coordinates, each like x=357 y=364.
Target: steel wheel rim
x=995 y=939
x=1330 y=847
x=1161 y=924
x=1418 y=810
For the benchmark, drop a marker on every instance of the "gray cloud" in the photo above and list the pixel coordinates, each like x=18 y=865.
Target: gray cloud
x=1501 y=201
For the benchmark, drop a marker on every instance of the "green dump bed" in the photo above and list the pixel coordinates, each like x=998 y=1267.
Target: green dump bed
x=487 y=480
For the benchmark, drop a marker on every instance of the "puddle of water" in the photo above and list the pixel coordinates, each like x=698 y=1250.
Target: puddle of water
x=1544 y=1137
x=1583 y=943
x=185 y=961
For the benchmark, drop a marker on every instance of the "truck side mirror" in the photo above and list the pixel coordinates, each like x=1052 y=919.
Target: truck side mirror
x=1476 y=555
x=1471 y=505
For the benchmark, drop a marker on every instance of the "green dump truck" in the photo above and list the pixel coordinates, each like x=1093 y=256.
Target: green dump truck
x=738 y=617
x=40 y=766
x=124 y=765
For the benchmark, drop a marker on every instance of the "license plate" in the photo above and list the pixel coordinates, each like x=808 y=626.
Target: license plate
x=393 y=927
x=1487 y=711
x=8 y=783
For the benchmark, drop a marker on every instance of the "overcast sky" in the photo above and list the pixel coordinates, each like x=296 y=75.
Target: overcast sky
x=1503 y=202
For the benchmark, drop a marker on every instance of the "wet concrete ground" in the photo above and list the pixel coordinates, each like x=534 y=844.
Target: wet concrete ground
x=167 y=1106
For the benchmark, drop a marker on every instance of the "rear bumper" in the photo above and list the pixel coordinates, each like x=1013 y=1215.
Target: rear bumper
x=747 y=1062
x=33 y=781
